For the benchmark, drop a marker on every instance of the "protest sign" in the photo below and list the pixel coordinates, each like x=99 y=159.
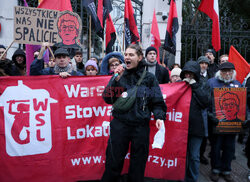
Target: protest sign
x=36 y=25
x=55 y=129
x=230 y=109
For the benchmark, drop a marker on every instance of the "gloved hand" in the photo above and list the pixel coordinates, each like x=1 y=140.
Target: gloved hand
x=192 y=81
x=212 y=117
x=189 y=81
x=186 y=80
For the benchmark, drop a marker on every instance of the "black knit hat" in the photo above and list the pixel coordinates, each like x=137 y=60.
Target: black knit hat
x=211 y=51
x=2 y=46
x=150 y=49
x=61 y=51
x=226 y=65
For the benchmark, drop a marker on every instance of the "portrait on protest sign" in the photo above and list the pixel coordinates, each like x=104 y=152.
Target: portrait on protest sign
x=36 y=25
x=69 y=29
x=230 y=108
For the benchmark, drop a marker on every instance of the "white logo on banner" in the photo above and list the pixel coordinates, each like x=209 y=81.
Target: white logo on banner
x=27 y=120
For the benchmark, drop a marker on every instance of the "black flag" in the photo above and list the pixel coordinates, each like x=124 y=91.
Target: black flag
x=172 y=28
x=91 y=9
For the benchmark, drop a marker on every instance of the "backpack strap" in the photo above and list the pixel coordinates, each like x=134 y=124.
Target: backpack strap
x=142 y=77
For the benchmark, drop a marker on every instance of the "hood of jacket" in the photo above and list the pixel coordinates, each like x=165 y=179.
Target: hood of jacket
x=105 y=62
x=19 y=52
x=191 y=66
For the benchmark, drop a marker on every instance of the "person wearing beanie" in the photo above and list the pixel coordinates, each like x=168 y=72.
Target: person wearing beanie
x=91 y=68
x=110 y=63
x=204 y=65
x=154 y=67
x=213 y=67
x=199 y=100
x=175 y=75
x=222 y=145
x=62 y=67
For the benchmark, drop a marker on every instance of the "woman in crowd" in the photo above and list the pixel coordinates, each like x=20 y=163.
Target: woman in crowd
x=132 y=126
x=110 y=63
x=91 y=68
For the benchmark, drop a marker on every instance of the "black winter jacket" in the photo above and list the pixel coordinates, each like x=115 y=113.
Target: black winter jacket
x=7 y=68
x=149 y=97
x=161 y=74
x=16 y=69
x=212 y=69
x=199 y=100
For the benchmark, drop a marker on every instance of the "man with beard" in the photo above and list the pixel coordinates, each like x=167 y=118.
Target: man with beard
x=210 y=54
x=221 y=161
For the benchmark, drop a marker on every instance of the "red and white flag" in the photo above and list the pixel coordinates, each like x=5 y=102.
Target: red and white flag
x=155 y=37
x=211 y=8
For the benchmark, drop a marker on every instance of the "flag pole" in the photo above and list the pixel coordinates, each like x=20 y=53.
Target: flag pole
x=123 y=47
x=104 y=41
x=51 y=52
x=89 y=53
x=163 y=56
x=7 y=49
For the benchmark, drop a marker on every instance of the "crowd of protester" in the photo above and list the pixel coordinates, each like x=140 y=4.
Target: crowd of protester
x=202 y=75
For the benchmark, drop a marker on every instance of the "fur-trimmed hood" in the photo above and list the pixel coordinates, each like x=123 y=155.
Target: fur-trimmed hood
x=105 y=62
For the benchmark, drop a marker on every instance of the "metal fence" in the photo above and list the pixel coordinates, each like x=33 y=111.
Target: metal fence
x=196 y=38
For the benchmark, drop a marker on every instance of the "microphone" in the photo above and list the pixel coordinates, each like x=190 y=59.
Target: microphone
x=117 y=74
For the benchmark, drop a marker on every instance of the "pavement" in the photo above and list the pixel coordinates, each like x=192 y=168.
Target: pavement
x=239 y=168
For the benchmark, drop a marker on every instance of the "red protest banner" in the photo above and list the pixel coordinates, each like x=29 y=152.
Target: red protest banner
x=230 y=109
x=55 y=129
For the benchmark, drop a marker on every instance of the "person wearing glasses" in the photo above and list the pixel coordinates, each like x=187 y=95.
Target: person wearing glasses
x=223 y=145
x=110 y=62
x=68 y=30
